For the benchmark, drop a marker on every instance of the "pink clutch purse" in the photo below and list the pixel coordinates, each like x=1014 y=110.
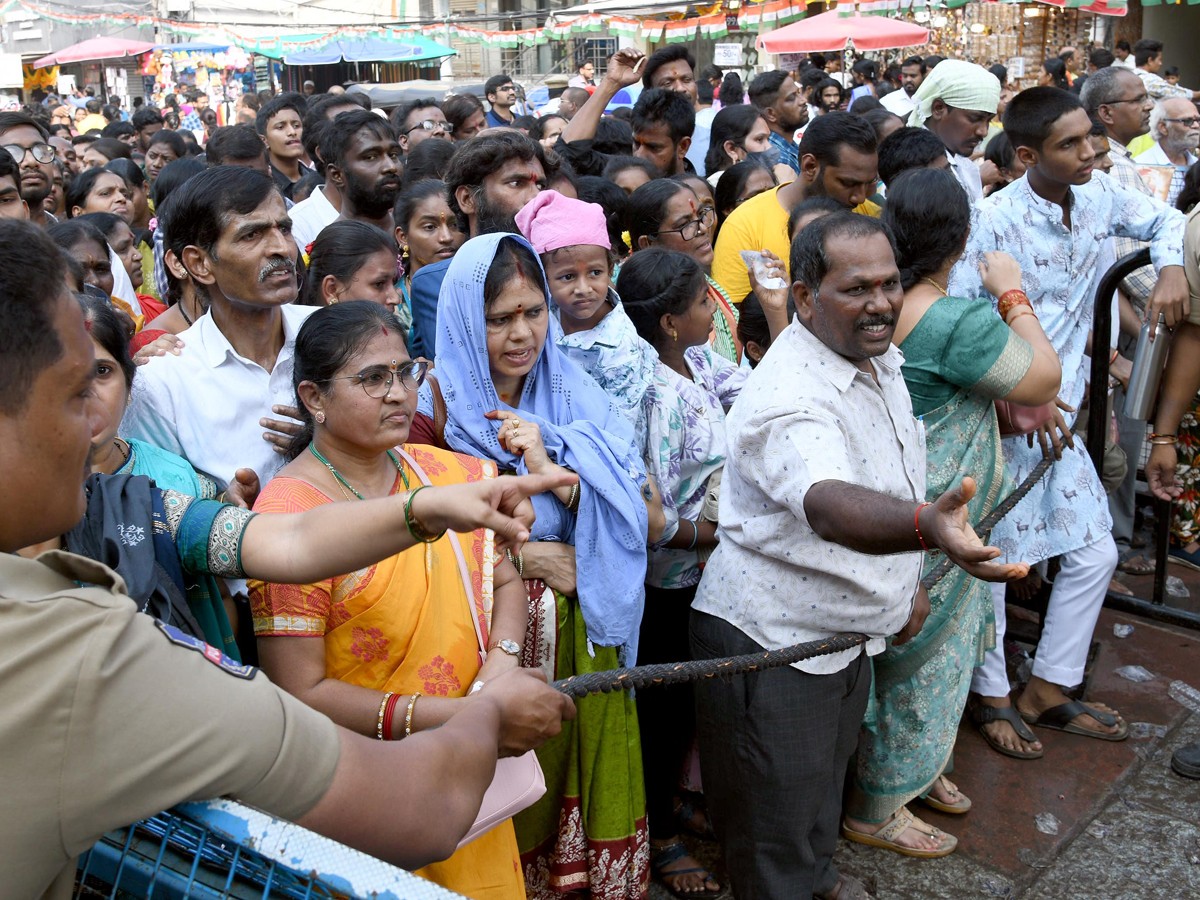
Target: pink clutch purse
x=1015 y=419
x=517 y=785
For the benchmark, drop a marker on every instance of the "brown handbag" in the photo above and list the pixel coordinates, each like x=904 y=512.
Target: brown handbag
x=1015 y=419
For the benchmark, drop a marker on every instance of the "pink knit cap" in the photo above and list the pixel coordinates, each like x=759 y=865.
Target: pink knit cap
x=550 y=221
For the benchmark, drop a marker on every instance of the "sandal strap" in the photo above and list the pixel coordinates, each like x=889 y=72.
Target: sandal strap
x=982 y=714
x=1063 y=714
x=664 y=856
x=893 y=829
x=947 y=785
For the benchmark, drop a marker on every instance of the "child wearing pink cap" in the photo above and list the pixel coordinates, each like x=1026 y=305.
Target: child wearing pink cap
x=571 y=238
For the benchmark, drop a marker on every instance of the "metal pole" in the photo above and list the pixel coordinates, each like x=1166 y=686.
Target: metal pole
x=1097 y=429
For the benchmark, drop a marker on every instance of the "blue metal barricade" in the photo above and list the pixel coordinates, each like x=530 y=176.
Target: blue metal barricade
x=222 y=849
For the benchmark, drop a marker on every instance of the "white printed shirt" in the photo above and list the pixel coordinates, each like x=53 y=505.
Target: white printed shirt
x=807 y=415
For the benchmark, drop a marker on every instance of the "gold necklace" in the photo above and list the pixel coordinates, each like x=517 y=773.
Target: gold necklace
x=941 y=290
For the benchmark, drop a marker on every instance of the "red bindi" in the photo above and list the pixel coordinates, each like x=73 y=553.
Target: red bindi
x=383 y=328
x=520 y=309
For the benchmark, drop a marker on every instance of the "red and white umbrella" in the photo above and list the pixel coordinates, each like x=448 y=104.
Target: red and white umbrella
x=833 y=30
x=95 y=48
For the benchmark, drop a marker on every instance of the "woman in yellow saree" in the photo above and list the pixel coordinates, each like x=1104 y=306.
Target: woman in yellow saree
x=399 y=645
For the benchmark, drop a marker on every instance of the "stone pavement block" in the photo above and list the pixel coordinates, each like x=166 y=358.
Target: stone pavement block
x=890 y=876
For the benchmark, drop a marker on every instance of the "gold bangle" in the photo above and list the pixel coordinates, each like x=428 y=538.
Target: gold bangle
x=382 y=710
x=1162 y=440
x=518 y=563
x=1017 y=311
x=418 y=531
x=573 y=500
x=409 y=713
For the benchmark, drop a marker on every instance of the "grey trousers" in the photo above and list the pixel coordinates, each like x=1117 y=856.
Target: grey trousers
x=774 y=747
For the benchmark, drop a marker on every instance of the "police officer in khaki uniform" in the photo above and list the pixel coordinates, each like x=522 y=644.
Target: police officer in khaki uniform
x=107 y=716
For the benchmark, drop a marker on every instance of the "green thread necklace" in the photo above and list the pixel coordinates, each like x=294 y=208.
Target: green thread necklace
x=343 y=482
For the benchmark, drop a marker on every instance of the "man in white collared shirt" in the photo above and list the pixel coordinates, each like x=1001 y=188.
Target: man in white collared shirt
x=821 y=525
x=1175 y=125
x=324 y=204
x=912 y=73
x=207 y=404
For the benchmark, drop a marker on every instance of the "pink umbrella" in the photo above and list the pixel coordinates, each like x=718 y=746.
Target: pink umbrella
x=95 y=48
x=833 y=31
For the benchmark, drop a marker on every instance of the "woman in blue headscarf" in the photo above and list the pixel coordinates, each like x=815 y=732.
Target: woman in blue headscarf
x=505 y=392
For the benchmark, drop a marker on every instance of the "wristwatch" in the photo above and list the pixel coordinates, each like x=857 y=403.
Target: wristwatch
x=512 y=648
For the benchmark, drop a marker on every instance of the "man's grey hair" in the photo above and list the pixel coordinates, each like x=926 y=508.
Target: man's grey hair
x=1159 y=113
x=1156 y=117
x=1103 y=86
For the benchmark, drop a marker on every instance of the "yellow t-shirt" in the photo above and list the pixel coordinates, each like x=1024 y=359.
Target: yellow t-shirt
x=758 y=224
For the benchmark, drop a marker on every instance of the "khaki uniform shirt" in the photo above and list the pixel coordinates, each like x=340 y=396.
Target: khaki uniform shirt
x=107 y=716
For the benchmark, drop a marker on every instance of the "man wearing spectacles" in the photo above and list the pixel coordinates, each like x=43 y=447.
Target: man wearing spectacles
x=27 y=142
x=502 y=97
x=419 y=120
x=1175 y=126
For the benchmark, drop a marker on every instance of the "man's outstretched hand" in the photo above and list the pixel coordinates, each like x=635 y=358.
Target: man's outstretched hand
x=944 y=525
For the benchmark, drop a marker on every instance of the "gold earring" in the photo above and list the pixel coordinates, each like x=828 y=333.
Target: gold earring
x=674 y=335
x=319 y=417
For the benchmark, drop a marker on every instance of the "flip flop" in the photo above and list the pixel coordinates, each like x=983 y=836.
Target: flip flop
x=1058 y=718
x=885 y=837
x=982 y=714
x=954 y=809
x=673 y=852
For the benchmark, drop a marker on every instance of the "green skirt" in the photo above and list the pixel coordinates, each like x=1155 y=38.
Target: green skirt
x=588 y=833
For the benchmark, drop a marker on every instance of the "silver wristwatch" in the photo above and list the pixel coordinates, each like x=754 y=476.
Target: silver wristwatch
x=512 y=648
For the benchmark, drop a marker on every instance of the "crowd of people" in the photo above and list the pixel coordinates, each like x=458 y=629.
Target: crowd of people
x=415 y=411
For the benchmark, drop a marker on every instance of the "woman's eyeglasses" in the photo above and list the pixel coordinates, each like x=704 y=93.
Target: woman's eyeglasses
x=377 y=381
x=688 y=230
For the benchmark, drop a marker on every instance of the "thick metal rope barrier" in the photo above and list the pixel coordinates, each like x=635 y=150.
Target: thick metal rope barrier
x=677 y=673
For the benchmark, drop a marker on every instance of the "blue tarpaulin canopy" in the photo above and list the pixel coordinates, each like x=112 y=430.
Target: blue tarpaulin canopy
x=371 y=49
x=193 y=47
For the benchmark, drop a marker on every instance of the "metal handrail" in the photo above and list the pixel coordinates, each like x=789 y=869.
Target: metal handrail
x=1155 y=607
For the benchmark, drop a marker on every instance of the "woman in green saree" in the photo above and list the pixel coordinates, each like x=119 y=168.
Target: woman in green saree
x=960 y=357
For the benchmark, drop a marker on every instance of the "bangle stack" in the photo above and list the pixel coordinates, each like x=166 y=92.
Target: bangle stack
x=917 y=523
x=518 y=563
x=383 y=729
x=1011 y=300
x=573 y=500
x=1163 y=439
x=408 y=715
x=419 y=532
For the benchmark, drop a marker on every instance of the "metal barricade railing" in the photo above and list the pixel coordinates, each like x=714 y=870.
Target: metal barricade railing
x=220 y=849
x=1155 y=607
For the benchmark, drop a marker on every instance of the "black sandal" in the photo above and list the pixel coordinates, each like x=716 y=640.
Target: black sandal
x=673 y=852
x=1058 y=718
x=982 y=714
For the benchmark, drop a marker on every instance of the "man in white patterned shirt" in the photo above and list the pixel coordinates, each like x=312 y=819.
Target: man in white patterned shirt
x=822 y=522
x=1147 y=61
